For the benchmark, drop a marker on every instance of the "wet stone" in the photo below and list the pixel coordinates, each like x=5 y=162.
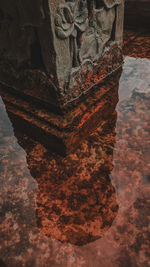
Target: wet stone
x=53 y=52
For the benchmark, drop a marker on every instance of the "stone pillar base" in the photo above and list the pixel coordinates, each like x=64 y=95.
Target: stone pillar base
x=63 y=133
x=52 y=52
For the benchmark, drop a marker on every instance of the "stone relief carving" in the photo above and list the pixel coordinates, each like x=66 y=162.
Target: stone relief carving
x=109 y=3
x=71 y=21
x=88 y=24
x=66 y=48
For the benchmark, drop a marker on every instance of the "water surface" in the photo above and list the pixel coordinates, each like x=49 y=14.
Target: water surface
x=89 y=208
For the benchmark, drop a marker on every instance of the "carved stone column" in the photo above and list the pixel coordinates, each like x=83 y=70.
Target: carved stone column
x=55 y=50
x=52 y=52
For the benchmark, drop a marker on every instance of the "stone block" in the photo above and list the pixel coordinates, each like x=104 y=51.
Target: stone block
x=53 y=51
x=62 y=133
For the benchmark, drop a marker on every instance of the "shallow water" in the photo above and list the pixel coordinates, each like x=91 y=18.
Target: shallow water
x=89 y=208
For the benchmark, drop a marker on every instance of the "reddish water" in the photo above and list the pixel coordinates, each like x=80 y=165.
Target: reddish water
x=90 y=208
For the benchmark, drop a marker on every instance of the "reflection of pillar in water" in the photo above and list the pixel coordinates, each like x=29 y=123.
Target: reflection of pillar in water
x=76 y=201
x=77 y=211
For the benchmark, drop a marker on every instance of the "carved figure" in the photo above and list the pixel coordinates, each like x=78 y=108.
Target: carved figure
x=71 y=21
x=109 y=3
x=100 y=30
x=63 y=47
x=88 y=25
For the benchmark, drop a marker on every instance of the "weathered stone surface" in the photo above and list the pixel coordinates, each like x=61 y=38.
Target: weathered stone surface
x=64 y=133
x=56 y=50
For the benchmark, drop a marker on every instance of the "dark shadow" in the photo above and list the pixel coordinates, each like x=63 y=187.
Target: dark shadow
x=2 y=264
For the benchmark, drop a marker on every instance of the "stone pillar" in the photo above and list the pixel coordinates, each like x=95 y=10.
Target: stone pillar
x=53 y=51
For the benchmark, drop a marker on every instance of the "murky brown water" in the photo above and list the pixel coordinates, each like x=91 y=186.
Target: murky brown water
x=90 y=208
